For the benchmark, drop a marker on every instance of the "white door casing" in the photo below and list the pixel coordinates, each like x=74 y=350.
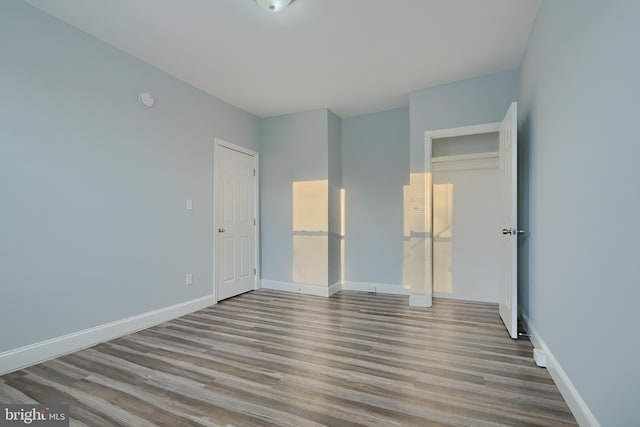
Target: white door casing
x=429 y=136
x=508 y=303
x=508 y=155
x=235 y=220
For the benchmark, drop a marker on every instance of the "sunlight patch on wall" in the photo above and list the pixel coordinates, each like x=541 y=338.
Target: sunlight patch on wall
x=342 y=210
x=310 y=259
x=343 y=198
x=442 y=237
x=417 y=265
x=311 y=206
x=311 y=232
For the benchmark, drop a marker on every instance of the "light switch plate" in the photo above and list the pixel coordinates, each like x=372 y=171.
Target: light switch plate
x=189 y=279
x=189 y=204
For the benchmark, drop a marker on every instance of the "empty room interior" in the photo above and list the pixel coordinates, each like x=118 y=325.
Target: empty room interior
x=319 y=213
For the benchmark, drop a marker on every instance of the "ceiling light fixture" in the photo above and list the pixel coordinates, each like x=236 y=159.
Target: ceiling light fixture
x=274 y=5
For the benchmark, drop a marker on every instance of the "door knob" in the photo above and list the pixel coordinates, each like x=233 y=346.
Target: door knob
x=221 y=230
x=506 y=231
x=520 y=231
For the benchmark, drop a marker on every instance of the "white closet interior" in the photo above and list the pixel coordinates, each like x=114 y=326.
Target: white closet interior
x=466 y=217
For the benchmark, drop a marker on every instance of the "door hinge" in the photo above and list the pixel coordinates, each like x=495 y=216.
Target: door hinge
x=254 y=172
x=254 y=222
x=255 y=271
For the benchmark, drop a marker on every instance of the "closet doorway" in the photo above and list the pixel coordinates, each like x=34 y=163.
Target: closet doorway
x=471 y=234
x=466 y=217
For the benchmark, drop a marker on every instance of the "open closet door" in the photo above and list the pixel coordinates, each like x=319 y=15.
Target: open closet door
x=508 y=303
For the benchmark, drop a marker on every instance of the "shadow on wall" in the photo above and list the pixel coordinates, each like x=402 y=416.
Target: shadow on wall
x=524 y=166
x=311 y=232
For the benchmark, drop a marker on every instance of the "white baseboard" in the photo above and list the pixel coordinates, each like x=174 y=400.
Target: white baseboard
x=576 y=403
x=381 y=288
x=300 y=288
x=327 y=291
x=447 y=295
x=41 y=351
x=335 y=288
x=419 y=300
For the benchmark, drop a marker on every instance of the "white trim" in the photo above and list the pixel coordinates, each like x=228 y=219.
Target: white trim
x=299 y=288
x=465 y=164
x=336 y=287
x=576 y=403
x=381 y=288
x=327 y=291
x=463 y=131
x=55 y=347
x=419 y=300
x=463 y=157
x=256 y=237
x=540 y=357
x=426 y=299
x=217 y=143
x=447 y=296
x=221 y=142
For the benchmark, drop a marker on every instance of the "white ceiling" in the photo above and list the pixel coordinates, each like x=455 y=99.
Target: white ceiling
x=351 y=56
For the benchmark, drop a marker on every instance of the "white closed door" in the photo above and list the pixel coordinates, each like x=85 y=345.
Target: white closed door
x=235 y=216
x=508 y=302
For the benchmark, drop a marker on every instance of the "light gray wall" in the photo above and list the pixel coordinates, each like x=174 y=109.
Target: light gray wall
x=293 y=149
x=93 y=226
x=375 y=167
x=468 y=102
x=579 y=147
x=335 y=184
x=470 y=144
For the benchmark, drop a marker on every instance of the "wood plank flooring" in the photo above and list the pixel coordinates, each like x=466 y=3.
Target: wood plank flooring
x=270 y=358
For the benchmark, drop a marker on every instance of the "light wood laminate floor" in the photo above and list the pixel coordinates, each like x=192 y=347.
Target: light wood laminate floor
x=270 y=358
